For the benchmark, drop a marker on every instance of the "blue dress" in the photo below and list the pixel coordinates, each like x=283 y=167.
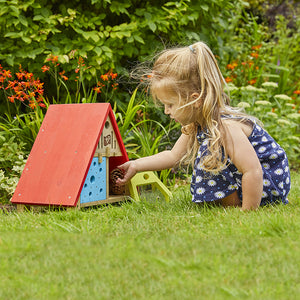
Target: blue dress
x=206 y=187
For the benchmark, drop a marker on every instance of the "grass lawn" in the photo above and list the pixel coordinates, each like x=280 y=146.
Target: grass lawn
x=153 y=250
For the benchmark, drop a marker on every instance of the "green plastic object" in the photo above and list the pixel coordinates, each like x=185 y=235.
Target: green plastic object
x=147 y=178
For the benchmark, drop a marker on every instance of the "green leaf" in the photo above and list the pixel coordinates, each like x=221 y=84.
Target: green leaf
x=98 y=50
x=139 y=39
x=15 y=10
x=38 y=18
x=105 y=48
x=99 y=60
x=13 y=35
x=27 y=40
x=94 y=36
x=204 y=7
x=152 y=26
x=273 y=66
x=23 y=20
x=119 y=35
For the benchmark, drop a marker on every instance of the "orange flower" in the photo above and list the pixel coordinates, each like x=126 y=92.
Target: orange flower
x=31 y=94
x=11 y=98
x=28 y=75
x=230 y=67
x=115 y=86
x=256 y=47
x=104 y=77
x=114 y=75
x=80 y=61
x=42 y=105
x=273 y=109
x=32 y=104
x=20 y=75
x=63 y=76
x=45 y=69
x=52 y=58
x=97 y=89
x=228 y=79
x=297 y=92
x=254 y=54
x=6 y=74
x=252 y=81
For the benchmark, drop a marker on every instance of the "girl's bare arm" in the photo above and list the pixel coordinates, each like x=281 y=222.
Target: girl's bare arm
x=160 y=161
x=245 y=159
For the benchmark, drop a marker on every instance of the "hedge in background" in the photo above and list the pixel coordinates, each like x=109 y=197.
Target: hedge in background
x=106 y=33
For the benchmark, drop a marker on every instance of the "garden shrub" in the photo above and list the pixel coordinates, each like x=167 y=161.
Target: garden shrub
x=12 y=162
x=107 y=34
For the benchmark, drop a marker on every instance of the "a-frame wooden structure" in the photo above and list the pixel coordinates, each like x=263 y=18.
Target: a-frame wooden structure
x=77 y=147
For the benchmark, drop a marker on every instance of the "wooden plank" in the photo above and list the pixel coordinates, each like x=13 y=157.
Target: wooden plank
x=111 y=199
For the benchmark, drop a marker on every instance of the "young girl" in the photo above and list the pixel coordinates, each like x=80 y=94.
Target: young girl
x=236 y=162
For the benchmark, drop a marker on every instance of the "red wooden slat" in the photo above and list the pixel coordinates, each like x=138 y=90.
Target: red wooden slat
x=62 y=153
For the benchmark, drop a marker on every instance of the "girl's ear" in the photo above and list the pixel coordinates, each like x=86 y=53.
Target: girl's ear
x=194 y=97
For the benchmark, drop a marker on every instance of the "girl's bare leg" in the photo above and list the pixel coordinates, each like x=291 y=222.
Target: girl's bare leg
x=231 y=200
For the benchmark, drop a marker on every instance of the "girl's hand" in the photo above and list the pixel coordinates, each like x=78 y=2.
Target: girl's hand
x=129 y=169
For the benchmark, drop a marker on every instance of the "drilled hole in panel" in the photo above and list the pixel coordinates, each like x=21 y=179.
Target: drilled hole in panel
x=92 y=179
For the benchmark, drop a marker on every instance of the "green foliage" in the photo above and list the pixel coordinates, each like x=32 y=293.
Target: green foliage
x=24 y=127
x=278 y=113
x=262 y=53
x=12 y=162
x=106 y=33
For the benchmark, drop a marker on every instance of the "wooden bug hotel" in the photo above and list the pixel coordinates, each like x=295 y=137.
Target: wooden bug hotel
x=74 y=159
x=77 y=148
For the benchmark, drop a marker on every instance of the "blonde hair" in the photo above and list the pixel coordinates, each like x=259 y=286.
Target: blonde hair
x=188 y=70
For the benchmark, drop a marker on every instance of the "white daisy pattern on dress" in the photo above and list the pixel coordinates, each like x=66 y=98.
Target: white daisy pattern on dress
x=219 y=195
x=200 y=191
x=198 y=179
x=274 y=192
x=262 y=149
x=273 y=156
x=232 y=187
x=211 y=182
x=278 y=171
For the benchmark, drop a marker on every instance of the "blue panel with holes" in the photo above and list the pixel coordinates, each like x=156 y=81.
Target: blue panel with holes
x=94 y=188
